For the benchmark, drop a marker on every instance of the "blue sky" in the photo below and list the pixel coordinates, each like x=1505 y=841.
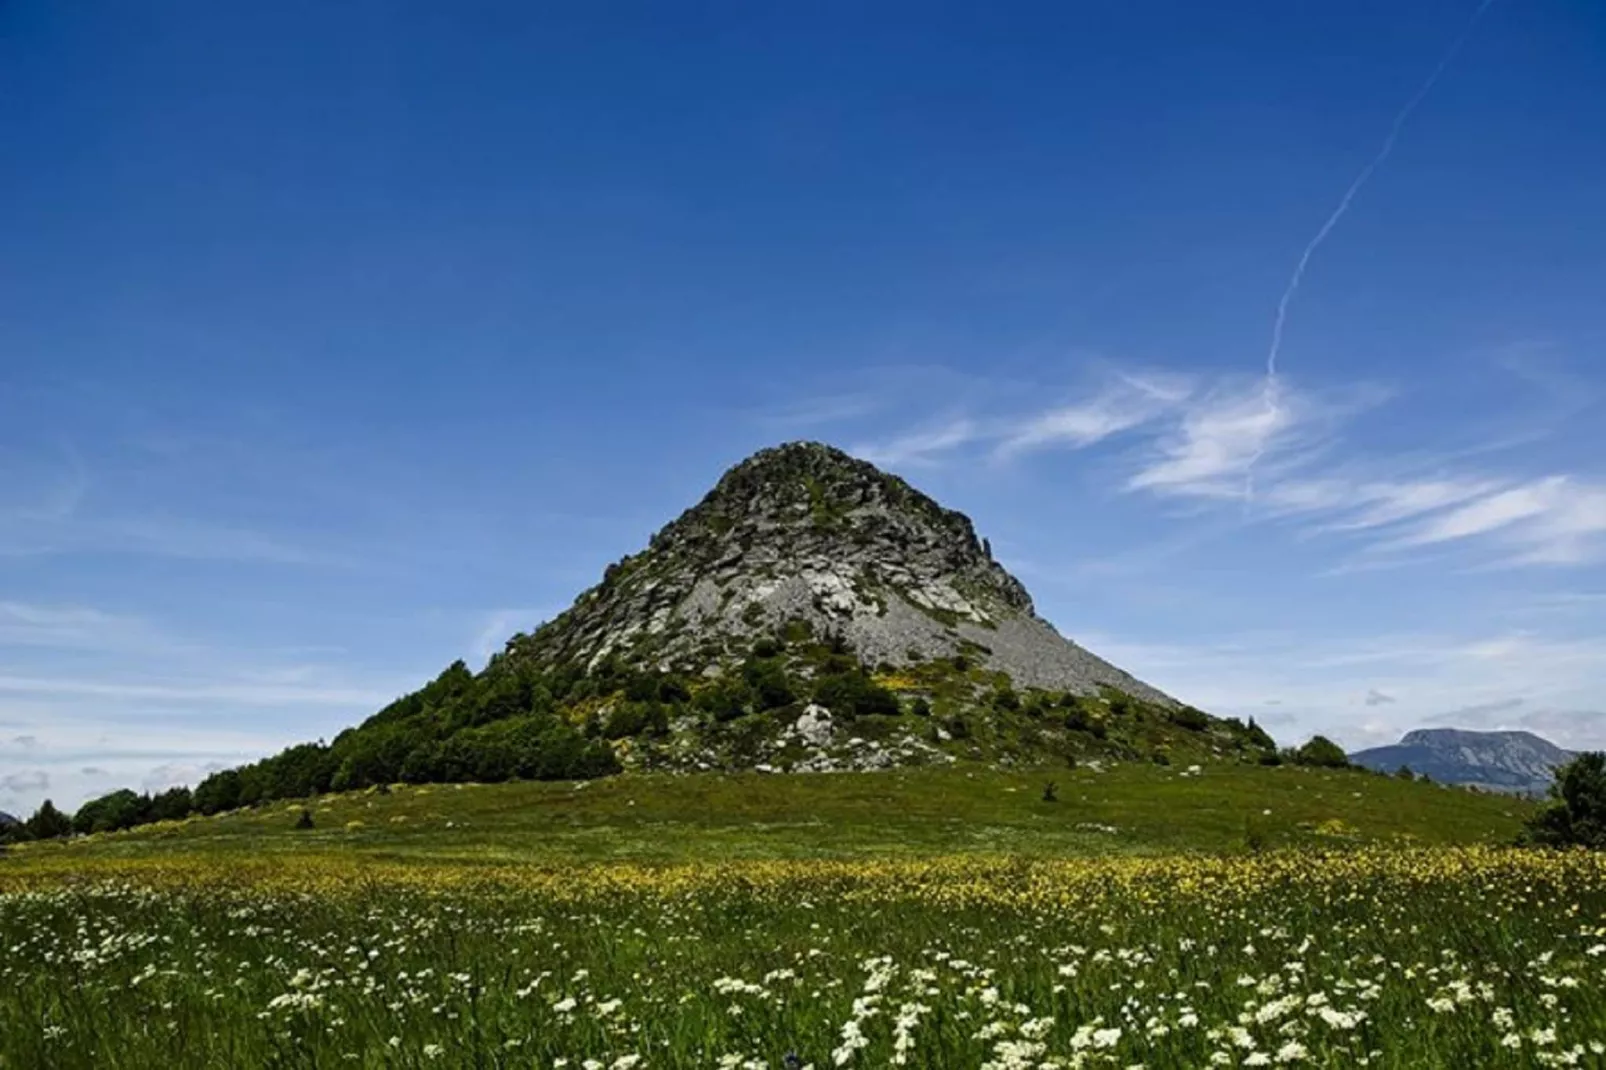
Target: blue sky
x=340 y=341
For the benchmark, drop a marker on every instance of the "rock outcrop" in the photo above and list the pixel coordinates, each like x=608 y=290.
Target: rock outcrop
x=805 y=533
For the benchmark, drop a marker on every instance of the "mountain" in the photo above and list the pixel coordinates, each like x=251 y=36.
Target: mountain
x=6 y=820
x=1518 y=762
x=810 y=613
x=804 y=533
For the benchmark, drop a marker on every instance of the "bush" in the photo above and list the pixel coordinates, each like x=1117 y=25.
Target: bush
x=1192 y=719
x=1575 y=816
x=304 y=822
x=920 y=707
x=1079 y=720
x=854 y=694
x=725 y=700
x=768 y=680
x=1322 y=753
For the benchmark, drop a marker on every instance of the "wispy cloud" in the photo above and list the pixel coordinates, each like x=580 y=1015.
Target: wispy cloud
x=1132 y=400
x=923 y=445
x=818 y=411
x=1211 y=451
x=1198 y=441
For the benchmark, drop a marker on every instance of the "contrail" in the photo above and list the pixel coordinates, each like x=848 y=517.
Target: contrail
x=1269 y=390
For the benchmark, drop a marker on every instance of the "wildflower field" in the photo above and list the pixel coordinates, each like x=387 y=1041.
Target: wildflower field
x=1456 y=957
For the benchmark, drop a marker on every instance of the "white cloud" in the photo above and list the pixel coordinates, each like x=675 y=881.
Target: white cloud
x=921 y=446
x=1219 y=439
x=1132 y=400
x=1204 y=444
x=1489 y=513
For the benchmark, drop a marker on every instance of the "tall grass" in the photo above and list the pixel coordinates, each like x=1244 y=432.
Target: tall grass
x=1453 y=958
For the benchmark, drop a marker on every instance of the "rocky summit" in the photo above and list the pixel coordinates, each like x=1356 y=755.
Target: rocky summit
x=806 y=534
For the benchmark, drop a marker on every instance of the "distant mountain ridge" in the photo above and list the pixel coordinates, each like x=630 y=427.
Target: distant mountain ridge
x=1518 y=762
x=6 y=820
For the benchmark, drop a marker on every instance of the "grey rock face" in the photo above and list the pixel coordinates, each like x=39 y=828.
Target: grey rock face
x=806 y=533
x=6 y=820
x=1504 y=761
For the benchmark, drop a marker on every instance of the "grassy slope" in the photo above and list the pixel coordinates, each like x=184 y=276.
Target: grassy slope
x=662 y=818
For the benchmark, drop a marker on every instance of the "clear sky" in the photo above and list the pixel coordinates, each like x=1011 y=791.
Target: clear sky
x=338 y=341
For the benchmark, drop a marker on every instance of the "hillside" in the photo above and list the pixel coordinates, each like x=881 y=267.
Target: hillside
x=1519 y=762
x=811 y=613
x=911 y=813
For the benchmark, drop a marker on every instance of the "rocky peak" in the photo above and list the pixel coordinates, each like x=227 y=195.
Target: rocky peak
x=805 y=534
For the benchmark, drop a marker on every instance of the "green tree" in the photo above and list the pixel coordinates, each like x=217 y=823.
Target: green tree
x=118 y=810
x=218 y=792
x=1575 y=815
x=48 y=823
x=1323 y=752
x=174 y=804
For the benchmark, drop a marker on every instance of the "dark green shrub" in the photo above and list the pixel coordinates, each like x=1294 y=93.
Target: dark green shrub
x=1321 y=752
x=1191 y=719
x=673 y=689
x=854 y=694
x=1575 y=815
x=771 y=688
